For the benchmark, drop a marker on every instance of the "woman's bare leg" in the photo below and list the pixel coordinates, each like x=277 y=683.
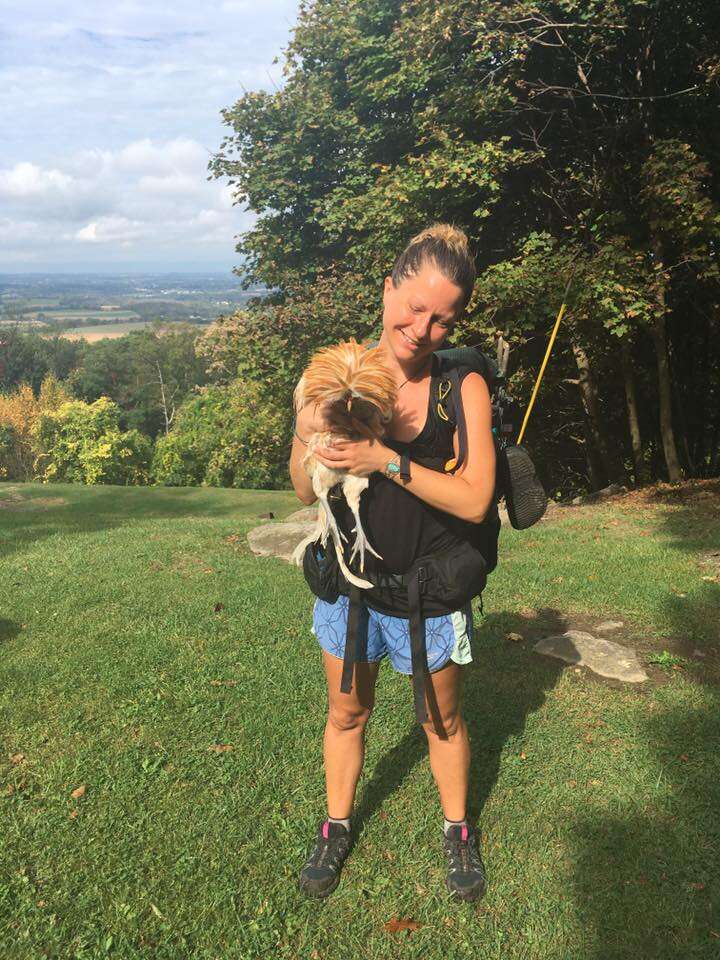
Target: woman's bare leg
x=344 y=741
x=448 y=742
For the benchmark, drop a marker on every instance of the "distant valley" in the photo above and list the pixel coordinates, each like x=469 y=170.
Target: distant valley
x=94 y=306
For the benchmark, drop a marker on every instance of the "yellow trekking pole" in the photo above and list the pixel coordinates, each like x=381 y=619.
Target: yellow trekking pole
x=553 y=335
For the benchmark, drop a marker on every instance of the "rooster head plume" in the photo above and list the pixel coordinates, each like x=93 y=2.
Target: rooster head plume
x=350 y=381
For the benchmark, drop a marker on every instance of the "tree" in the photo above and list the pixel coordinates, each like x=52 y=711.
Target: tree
x=574 y=119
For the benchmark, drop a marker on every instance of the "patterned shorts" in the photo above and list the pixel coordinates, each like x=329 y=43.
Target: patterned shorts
x=447 y=637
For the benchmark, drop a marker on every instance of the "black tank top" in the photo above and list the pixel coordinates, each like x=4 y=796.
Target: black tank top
x=399 y=525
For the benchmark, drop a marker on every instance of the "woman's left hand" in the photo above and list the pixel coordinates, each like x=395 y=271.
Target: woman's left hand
x=358 y=457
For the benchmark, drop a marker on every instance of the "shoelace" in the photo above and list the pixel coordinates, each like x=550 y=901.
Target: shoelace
x=463 y=851
x=336 y=848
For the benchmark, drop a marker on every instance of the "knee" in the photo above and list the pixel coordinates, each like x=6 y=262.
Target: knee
x=448 y=726
x=344 y=718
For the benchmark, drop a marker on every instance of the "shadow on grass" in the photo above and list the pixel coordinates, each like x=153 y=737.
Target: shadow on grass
x=646 y=879
x=8 y=629
x=500 y=690
x=92 y=509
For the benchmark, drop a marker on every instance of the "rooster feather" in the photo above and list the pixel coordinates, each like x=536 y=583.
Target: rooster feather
x=352 y=383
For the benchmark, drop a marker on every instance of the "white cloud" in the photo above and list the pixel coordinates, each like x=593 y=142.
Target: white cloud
x=110 y=113
x=110 y=230
x=148 y=195
x=29 y=180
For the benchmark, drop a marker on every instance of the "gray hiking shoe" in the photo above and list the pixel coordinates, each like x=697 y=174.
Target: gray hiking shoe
x=321 y=873
x=466 y=878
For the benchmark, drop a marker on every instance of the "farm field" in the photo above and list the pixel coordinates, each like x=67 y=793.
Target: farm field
x=162 y=709
x=103 y=331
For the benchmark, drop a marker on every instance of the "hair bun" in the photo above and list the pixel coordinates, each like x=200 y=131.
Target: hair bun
x=446 y=233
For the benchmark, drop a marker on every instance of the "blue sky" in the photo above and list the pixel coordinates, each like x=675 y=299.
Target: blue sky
x=109 y=114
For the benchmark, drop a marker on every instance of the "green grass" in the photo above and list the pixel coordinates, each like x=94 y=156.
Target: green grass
x=137 y=631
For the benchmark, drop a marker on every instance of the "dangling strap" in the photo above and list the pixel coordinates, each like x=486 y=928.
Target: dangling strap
x=417 y=643
x=352 y=639
x=459 y=418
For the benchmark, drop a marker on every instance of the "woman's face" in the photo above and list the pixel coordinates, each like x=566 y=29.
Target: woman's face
x=420 y=313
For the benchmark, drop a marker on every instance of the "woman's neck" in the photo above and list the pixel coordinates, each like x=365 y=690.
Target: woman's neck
x=405 y=370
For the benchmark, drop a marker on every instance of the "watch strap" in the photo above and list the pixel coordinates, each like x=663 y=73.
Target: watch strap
x=404 y=467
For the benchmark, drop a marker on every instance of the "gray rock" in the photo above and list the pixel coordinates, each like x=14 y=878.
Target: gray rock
x=603 y=657
x=304 y=515
x=607 y=625
x=278 y=539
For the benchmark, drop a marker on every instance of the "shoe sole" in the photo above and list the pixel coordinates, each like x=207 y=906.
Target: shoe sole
x=468 y=897
x=319 y=894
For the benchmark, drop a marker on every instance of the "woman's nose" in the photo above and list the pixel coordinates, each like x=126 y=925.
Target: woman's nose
x=421 y=327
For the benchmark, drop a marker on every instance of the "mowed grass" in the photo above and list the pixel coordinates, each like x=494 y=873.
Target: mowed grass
x=147 y=656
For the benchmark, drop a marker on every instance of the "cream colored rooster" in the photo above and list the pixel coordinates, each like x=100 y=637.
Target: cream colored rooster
x=351 y=382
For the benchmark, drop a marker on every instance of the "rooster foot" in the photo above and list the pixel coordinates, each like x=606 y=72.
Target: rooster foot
x=360 y=546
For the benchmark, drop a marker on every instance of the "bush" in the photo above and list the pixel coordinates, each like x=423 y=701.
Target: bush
x=20 y=411
x=226 y=436
x=82 y=442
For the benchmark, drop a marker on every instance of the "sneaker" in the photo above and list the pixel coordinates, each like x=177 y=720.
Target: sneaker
x=466 y=872
x=321 y=873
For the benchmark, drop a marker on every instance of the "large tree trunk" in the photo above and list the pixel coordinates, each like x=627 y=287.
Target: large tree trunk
x=641 y=471
x=612 y=466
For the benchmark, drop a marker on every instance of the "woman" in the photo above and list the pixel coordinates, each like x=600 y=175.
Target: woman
x=429 y=289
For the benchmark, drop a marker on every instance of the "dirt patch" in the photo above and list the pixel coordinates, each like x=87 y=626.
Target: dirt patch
x=699 y=665
x=15 y=501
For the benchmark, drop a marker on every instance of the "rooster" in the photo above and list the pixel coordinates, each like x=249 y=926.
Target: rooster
x=357 y=391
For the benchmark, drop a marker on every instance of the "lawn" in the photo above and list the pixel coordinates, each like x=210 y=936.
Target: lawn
x=161 y=714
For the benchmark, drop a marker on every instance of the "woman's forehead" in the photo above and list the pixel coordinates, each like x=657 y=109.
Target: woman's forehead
x=431 y=284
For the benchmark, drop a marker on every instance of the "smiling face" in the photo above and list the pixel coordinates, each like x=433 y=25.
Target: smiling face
x=419 y=314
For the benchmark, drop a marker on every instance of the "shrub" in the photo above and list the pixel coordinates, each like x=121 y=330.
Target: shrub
x=20 y=411
x=82 y=442
x=226 y=436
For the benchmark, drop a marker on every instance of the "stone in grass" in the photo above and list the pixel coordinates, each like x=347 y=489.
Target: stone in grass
x=603 y=657
x=607 y=625
x=278 y=539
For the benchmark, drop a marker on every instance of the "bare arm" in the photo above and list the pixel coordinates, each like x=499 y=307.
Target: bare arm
x=307 y=423
x=468 y=493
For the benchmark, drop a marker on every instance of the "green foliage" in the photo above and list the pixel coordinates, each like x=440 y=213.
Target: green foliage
x=667 y=660
x=83 y=443
x=129 y=370
x=226 y=436
x=568 y=138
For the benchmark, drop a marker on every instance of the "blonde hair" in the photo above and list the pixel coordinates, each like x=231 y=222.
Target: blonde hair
x=445 y=247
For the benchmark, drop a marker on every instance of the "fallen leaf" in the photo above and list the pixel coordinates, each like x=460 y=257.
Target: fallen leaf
x=17 y=758
x=557 y=580
x=397 y=924
x=156 y=911
x=644 y=533
x=588 y=738
x=41 y=903
x=218 y=607
x=523 y=756
x=220 y=747
x=208 y=570
x=514 y=637
x=592 y=576
x=383 y=815
x=684 y=757
x=79 y=792
x=697 y=886
x=73 y=814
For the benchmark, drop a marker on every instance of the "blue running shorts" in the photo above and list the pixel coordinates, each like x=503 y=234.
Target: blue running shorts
x=447 y=637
